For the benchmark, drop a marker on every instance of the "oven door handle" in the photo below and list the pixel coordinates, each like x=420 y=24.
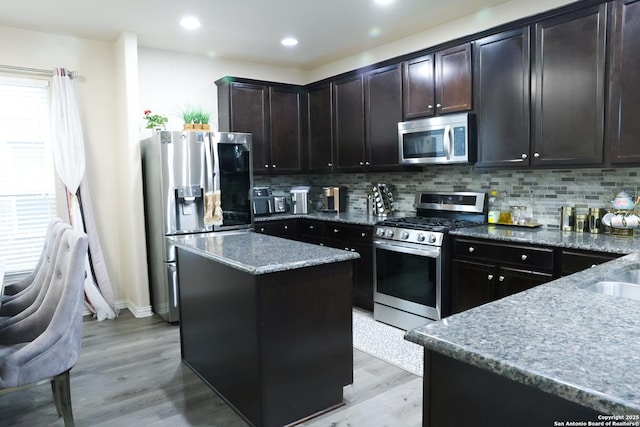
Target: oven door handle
x=426 y=251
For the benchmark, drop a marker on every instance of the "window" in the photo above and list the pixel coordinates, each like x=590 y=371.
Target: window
x=27 y=180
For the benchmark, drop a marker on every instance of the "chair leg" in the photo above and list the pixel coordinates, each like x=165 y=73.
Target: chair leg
x=62 y=397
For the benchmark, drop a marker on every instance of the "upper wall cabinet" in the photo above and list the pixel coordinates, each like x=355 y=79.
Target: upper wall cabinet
x=366 y=111
x=272 y=114
x=502 y=98
x=320 y=140
x=624 y=92
x=568 y=113
x=383 y=111
x=438 y=83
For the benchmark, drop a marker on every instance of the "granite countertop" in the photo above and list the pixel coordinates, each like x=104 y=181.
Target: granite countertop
x=345 y=217
x=600 y=242
x=573 y=343
x=257 y=253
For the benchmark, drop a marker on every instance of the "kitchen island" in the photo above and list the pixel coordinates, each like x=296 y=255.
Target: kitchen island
x=554 y=353
x=266 y=322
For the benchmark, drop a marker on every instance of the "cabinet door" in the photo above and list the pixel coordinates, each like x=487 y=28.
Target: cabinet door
x=348 y=99
x=502 y=98
x=569 y=91
x=286 y=130
x=453 y=79
x=624 y=104
x=572 y=261
x=419 y=87
x=249 y=112
x=512 y=280
x=472 y=284
x=320 y=139
x=383 y=95
x=363 y=276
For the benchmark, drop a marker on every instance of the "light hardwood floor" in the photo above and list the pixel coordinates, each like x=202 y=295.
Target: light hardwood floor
x=130 y=374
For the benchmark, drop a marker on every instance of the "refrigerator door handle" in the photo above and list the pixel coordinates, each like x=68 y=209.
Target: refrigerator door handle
x=172 y=281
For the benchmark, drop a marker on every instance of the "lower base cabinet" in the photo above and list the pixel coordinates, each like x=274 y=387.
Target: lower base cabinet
x=459 y=394
x=483 y=271
x=349 y=237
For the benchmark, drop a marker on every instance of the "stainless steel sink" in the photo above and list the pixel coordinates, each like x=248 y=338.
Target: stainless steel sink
x=617 y=288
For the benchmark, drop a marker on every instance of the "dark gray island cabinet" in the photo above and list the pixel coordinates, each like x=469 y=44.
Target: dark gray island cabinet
x=267 y=323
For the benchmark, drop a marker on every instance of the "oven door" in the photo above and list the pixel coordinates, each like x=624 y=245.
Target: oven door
x=408 y=277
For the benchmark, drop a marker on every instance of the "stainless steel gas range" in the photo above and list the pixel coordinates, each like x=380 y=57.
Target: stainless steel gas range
x=412 y=254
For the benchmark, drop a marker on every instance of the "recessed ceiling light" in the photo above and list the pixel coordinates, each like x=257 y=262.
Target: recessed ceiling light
x=190 y=23
x=289 y=41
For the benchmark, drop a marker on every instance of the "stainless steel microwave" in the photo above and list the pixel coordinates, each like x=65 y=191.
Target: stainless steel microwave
x=438 y=140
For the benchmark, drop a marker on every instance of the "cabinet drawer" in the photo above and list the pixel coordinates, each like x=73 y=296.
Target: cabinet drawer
x=527 y=257
x=351 y=233
x=311 y=228
x=574 y=261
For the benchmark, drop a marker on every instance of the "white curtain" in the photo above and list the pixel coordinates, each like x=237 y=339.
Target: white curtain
x=68 y=155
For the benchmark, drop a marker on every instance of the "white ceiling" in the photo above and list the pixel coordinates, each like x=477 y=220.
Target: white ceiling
x=250 y=30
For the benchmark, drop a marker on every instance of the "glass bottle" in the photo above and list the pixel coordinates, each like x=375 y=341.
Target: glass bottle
x=494 y=207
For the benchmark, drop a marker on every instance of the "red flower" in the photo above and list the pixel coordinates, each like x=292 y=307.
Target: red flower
x=147 y=112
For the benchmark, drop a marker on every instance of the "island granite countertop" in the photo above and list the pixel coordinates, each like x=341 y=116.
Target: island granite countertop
x=559 y=338
x=257 y=253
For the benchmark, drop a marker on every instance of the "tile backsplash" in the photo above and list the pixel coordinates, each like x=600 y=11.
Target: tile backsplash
x=545 y=191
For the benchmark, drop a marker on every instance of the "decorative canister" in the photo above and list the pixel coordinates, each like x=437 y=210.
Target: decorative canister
x=567 y=217
x=595 y=220
x=580 y=223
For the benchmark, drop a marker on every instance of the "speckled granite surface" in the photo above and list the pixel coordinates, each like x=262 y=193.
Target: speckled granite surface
x=553 y=237
x=257 y=253
x=346 y=217
x=580 y=345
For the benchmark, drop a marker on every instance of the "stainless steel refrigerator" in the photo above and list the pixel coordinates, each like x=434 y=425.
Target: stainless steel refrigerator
x=193 y=182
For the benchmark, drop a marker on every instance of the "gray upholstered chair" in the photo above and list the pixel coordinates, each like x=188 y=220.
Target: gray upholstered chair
x=31 y=296
x=46 y=344
x=14 y=288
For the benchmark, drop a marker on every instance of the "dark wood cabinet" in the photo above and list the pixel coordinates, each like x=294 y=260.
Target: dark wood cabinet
x=285 y=124
x=438 y=83
x=320 y=138
x=383 y=111
x=356 y=239
x=483 y=271
x=502 y=98
x=348 y=120
x=453 y=79
x=419 y=87
x=568 y=101
x=624 y=101
x=348 y=237
x=272 y=113
x=573 y=260
x=244 y=107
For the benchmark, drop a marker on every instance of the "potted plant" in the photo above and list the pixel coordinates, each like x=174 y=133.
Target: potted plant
x=204 y=117
x=155 y=121
x=189 y=115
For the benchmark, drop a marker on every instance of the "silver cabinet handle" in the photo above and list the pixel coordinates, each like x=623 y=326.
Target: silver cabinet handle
x=471 y=249
x=286 y=227
x=501 y=278
x=438 y=105
x=367 y=163
x=266 y=166
x=363 y=234
x=536 y=155
x=593 y=265
x=490 y=277
x=523 y=257
x=330 y=164
x=429 y=106
x=262 y=229
x=361 y=163
x=273 y=166
x=524 y=156
x=311 y=227
x=335 y=230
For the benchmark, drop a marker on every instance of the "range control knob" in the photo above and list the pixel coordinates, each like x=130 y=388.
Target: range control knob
x=389 y=233
x=405 y=235
x=432 y=238
x=421 y=237
x=380 y=232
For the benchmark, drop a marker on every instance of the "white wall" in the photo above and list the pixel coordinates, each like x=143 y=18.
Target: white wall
x=171 y=80
x=95 y=91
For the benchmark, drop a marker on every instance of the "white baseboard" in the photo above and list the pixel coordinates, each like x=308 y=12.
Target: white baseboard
x=137 y=312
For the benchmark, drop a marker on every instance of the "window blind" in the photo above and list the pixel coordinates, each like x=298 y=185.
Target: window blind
x=27 y=183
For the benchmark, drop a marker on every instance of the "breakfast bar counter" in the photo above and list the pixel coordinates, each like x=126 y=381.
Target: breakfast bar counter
x=556 y=350
x=267 y=322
